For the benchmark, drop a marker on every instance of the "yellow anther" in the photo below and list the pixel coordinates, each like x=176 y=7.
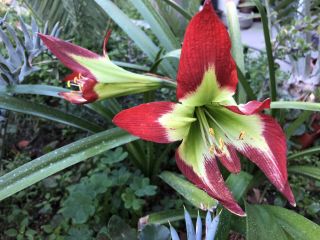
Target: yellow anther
x=212 y=149
x=68 y=84
x=242 y=135
x=211 y=131
x=221 y=144
x=75 y=79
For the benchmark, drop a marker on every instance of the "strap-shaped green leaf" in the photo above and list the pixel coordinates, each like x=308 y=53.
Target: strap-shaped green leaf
x=179 y=9
x=135 y=33
x=39 y=110
x=262 y=225
x=297 y=123
x=164 y=217
x=237 y=47
x=158 y=25
x=307 y=152
x=271 y=222
x=272 y=72
x=196 y=196
x=57 y=160
x=52 y=91
x=308 y=171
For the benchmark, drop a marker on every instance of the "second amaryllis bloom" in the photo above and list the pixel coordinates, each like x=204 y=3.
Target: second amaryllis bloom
x=95 y=76
x=207 y=120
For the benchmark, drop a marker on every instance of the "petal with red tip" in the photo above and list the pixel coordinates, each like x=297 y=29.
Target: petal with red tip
x=93 y=66
x=161 y=122
x=258 y=137
x=230 y=159
x=250 y=107
x=64 y=51
x=206 y=44
x=200 y=167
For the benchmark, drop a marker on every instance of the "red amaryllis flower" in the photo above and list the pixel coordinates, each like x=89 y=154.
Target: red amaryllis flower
x=96 y=76
x=208 y=121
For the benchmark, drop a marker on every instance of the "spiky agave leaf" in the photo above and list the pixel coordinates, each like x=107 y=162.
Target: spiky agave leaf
x=16 y=63
x=196 y=233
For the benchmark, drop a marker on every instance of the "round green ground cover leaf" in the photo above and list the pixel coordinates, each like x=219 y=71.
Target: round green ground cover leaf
x=196 y=196
x=55 y=161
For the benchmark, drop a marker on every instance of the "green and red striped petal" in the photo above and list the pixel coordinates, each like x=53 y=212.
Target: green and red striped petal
x=206 y=44
x=258 y=137
x=65 y=51
x=199 y=165
x=93 y=66
x=160 y=122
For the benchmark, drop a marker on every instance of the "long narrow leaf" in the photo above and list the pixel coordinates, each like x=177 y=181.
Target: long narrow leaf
x=297 y=123
x=308 y=171
x=196 y=196
x=191 y=235
x=272 y=74
x=52 y=91
x=246 y=86
x=158 y=25
x=179 y=9
x=55 y=161
x=307 y=152
x=309 y=106
x=237 y=47
x=39 y=110
x=165 y=217
x=135 y=33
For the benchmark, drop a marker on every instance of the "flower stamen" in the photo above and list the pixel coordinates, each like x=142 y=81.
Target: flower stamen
x=242 y=135
x=76 y=82
x=212 y=149
x=221 y=144
x=211 y=131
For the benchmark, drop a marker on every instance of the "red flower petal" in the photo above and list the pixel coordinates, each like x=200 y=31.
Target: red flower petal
x=206 y=43
x=71 y=76
x=146 y=121
x=63 y=50
x=230 y=159
x=274 y=166
x=212 y=183
x=251 y=107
